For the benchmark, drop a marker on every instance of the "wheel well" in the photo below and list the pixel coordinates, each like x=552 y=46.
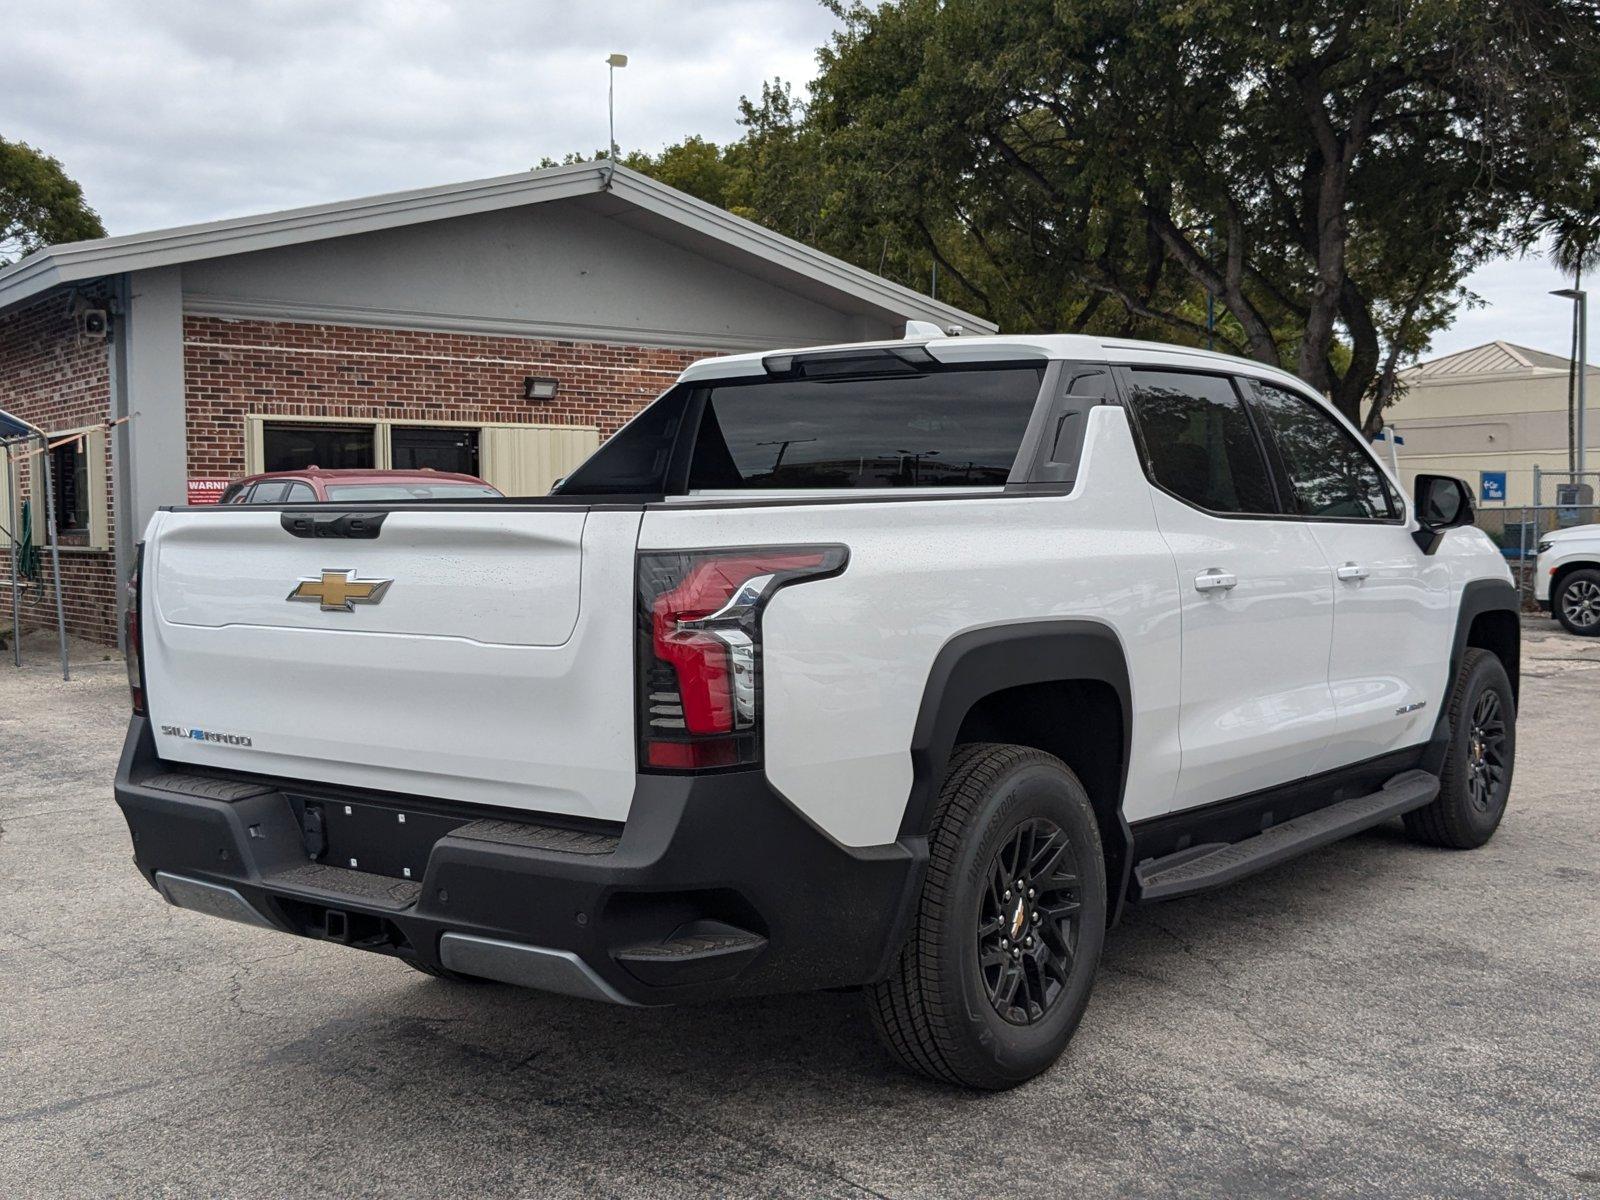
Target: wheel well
x=1499 y=631
x=1566 y=569
x=1080 y=722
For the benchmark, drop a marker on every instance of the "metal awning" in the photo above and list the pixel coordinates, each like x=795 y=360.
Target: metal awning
x=15 y=427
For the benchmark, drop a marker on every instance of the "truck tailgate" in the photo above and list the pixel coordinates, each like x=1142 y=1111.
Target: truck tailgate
x=439 y=659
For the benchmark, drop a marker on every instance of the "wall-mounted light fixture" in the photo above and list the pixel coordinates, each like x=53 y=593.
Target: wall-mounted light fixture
x=535 y=388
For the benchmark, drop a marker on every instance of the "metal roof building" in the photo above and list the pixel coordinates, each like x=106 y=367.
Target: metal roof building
x=1498 y=408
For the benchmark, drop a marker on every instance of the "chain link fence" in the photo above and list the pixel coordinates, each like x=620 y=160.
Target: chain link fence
x=1517 y=530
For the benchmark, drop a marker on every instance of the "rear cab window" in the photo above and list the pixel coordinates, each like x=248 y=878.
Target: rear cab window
x=270 y=492
x=876 y=420
x=950 y=428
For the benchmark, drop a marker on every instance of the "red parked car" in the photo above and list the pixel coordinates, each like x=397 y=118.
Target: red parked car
x=314 y=484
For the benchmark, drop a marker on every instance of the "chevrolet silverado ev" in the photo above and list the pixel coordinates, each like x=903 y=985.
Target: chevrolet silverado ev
x=901 y=667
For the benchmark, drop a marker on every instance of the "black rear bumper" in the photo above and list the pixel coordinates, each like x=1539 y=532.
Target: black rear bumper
x=716 y=885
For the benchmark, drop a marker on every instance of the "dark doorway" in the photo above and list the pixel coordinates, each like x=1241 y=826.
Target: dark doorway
x=414 y=447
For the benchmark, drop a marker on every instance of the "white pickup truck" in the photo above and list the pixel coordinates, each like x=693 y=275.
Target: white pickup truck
x=894 y=666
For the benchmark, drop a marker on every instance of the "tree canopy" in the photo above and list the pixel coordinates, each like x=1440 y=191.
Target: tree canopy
x=1328 y=172
x=39 y=204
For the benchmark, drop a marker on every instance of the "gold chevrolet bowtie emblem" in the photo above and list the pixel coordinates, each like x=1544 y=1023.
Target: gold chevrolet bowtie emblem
x=340 y=591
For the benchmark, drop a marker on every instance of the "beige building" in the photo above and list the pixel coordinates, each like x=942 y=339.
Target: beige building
x=1493 y=408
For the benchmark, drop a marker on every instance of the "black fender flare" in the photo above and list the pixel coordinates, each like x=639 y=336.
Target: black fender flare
x=980 y=662
x=1477 y=597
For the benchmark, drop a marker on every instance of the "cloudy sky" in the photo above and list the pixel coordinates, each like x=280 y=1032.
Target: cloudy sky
x=173 y=111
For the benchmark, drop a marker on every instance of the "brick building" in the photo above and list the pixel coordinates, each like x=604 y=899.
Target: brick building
x=400 y=330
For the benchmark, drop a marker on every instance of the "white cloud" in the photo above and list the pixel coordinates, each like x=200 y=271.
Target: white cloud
x=169 y=113
x=1518 y=307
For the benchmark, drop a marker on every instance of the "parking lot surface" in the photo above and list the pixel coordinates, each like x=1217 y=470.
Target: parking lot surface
x=1377 y=1019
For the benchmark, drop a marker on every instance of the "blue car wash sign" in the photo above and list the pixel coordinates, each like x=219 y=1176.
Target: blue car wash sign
x=1492 y=486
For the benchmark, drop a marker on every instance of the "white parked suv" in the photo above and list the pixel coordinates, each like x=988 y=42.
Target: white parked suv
x=902 y=667
x=1566 y=578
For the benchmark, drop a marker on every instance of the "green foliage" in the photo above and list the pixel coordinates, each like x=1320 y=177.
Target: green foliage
x=1328 y=172
x=1571 y=221
x=39 y=204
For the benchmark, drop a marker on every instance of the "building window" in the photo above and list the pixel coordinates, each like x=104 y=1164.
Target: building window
x=77 y=497
x=69 y=479
x=418 y=447
x=286 y=447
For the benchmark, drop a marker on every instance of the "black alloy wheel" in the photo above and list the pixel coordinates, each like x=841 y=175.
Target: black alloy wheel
x=1486 y=752
x=1028 y=921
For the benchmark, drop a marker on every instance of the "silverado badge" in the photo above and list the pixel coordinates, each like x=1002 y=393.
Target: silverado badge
x=340 y=591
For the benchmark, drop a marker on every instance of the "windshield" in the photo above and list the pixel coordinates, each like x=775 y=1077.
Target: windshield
x=410 y=491
x=941 y=428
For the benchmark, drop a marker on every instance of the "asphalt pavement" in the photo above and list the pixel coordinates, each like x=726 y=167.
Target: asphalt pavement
x=1377 y=1019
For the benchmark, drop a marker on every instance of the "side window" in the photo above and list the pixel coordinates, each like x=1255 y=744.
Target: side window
x=1200 y=442
x=1333 y=476
x=269 y=493
x=300 y=493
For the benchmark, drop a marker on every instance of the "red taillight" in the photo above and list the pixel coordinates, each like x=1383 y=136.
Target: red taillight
x=134 y=649
x=700 y=649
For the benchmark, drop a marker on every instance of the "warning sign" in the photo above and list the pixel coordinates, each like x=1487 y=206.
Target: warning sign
x=207 y=491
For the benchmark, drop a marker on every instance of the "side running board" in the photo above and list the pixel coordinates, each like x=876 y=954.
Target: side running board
x=1200 y=868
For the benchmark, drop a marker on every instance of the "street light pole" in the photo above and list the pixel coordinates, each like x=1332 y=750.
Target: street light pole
x=1580 y=297
x=613 y=61
x=1583 y=373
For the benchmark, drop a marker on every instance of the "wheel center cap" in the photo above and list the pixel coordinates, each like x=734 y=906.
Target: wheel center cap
x=1019 y=918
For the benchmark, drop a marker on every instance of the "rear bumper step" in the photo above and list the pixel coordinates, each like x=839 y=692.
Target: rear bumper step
x=540 y=967
x=1200 y=868
x=716 y=886
x=336 y=885
x=702 y=950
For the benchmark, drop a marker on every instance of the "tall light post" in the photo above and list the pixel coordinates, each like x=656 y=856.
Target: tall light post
x=1580 y=297
x=613 y=61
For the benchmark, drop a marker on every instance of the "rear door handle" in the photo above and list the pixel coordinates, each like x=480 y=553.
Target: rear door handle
x=1351 y=572
x=1215 y=579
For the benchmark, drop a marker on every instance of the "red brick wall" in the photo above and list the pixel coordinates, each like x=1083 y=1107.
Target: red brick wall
x=48 y=378
x=282 y=368
x=285 y=368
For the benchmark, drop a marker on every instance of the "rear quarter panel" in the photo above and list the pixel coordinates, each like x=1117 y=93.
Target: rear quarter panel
x=847 y=659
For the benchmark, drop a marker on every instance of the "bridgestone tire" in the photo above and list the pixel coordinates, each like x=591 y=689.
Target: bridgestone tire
x=1453 y=819
x=1574 y=603
x=934 y=1011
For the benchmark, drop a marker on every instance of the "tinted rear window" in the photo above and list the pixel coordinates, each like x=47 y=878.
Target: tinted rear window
x=948 y=428
x=409 y=491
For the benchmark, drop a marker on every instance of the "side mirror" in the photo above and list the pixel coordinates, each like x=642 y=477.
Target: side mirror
x=1443 y=502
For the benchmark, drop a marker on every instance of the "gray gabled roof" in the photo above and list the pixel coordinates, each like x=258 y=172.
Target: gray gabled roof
x=652 y=203
x=1492 y=358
